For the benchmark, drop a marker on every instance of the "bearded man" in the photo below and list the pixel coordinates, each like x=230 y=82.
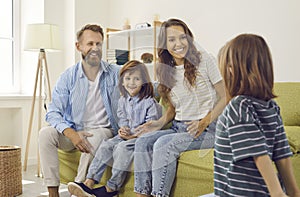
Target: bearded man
x=81 y=113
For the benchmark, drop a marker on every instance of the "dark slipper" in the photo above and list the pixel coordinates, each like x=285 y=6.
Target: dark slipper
x=101 y=192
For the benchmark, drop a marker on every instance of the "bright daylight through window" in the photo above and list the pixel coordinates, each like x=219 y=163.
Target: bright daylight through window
x=8 y=47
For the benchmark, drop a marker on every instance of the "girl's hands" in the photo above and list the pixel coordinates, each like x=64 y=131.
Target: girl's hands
x=124 y=133
x=196 y=127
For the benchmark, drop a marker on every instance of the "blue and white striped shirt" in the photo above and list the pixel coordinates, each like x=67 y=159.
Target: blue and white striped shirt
x=133 y=112
x=70 y=95
x=248 y=127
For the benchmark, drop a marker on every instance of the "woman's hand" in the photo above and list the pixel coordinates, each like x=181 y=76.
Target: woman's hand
x=196 y=127
x=156 y=125
x=152 y=125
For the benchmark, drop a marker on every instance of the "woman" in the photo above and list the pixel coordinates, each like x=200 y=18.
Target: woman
x=192 y=89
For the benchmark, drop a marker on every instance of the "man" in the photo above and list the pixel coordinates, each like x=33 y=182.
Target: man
x=81 y=113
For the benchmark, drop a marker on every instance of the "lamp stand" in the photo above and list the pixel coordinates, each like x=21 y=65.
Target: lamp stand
x=39 y=77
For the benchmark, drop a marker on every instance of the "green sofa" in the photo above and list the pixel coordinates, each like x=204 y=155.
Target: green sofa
x=195 y=168
x=288 y=99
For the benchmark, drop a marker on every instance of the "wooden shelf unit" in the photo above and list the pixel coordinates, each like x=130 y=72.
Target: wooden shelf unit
x=130 y=36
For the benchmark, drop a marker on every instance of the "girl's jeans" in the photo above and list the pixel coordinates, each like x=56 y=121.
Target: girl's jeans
x=156 y=154
x=114 y=152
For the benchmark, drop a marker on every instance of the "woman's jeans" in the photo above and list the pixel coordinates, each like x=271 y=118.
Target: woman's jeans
x=114 y=152
x=156 y=154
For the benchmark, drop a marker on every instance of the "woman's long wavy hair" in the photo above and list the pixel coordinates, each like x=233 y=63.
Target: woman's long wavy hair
x=165 y=68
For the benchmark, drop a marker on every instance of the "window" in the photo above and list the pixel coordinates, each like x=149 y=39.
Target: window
x=9 y=46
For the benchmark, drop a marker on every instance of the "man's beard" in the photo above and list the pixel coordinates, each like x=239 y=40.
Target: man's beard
x=91 y=60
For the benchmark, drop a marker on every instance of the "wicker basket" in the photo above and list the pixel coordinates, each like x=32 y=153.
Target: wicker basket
x=10 y=171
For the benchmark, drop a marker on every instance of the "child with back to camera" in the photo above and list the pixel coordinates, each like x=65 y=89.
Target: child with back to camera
x=136 y=106
x=249 y=134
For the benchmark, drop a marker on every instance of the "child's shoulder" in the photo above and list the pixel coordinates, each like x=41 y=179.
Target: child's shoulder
x=238 y=109
x=245 y=100
x=240 y=100
x=244 y=104
x=240 y=104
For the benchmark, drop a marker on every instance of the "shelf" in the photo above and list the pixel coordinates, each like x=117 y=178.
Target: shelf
x=133 y=32
x=136 y=42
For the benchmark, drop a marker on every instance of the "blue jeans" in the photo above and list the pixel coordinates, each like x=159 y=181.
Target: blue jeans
x=156 y=154
x=114 y=152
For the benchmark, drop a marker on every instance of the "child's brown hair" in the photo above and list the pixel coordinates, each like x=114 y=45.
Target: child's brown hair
x=147 y=87
x=246 y=66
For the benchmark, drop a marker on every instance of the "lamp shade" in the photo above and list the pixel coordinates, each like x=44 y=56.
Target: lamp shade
x=42 y=36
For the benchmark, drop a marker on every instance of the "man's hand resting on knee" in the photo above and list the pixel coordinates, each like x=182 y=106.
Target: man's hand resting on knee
x=79 y=139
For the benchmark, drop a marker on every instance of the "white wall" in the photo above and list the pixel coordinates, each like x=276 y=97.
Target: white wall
x=14 y=121
x=61 y=13
x=214 y=22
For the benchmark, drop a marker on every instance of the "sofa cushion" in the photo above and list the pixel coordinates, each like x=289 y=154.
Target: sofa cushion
x=288 y=102
x=293 y=136
x=194 y=173
x=68 y=164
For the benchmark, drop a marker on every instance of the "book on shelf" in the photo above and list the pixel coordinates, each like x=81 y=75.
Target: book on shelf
x=117 y=56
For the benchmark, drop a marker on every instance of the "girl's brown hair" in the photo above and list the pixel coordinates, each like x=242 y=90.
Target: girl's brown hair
x=246 y=66
x=147 y=87
x=165 y=68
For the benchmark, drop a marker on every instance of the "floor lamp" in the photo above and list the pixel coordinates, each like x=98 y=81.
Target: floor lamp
x=42 y=38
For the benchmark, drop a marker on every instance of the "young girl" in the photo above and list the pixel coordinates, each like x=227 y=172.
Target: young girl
x=136 y=106
x=250 y=133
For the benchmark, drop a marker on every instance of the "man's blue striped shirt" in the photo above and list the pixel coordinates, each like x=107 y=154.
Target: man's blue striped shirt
x=70 y=94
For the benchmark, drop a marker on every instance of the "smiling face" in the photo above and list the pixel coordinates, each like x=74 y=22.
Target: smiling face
x=132 y=82
x=90 y=46
x=177 y=43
